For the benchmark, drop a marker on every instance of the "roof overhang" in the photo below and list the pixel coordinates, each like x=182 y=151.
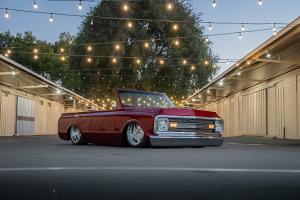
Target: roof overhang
x=276 y=56
x=17 y=76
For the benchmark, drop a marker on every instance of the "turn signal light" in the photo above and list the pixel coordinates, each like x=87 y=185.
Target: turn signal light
x=211 y=126
x=173 y=125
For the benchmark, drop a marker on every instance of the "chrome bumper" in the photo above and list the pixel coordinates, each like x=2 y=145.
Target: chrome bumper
x=185 y=141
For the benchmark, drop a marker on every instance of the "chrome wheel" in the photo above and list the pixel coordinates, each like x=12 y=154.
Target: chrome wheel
x=75 y=135
x=135 y=135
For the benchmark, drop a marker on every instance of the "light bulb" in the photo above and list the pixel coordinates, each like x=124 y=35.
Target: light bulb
x=206 y=62
x=260 y=2
x=80 y=5
x=51 y=18
x=175 y=27
x=214 y=4
x=35 y=6
x=206 y=39
x=35 y=50
x=243 y=27
x=146 y=45
x=114 y=60
x=129 y=24
x=184 y=62
x=117 y=47
x=177 y=43
x=161 y=62
x=89 y=48
x=138 y=61
x=193 y=67
x=35 y=57
x=92 y=22
x=6 y=15
x=169 y=6
x=240 y=36
x=268 y=55
x=125 y=7
x=209 y=26
x=62 y=58
x=89 y=60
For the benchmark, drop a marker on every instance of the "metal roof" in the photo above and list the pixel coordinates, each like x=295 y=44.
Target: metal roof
x=276 y=56
x=17 y=76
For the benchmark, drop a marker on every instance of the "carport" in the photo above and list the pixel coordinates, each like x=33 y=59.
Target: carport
x=31 y=104
x=260 y=94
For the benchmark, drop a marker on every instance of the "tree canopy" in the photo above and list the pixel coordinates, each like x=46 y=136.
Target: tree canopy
x=151 y=54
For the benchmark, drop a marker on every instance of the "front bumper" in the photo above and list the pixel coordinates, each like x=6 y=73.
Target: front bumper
x=177 y=141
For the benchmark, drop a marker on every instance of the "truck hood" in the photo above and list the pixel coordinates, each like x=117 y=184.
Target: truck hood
x=186 y=112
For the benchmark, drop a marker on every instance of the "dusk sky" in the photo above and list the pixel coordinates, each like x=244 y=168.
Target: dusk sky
x=226 y=11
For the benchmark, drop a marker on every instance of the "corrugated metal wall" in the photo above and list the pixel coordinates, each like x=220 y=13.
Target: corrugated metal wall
x=44 y=112
x=268 y=109
x=7 y=114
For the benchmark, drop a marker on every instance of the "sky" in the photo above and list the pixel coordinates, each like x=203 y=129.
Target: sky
x=226 y=11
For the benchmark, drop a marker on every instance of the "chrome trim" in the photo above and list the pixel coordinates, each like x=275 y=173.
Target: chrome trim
x=180 y=117
x=162 y=141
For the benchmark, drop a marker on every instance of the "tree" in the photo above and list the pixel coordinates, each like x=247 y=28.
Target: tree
x=46 y=61
x=101 y=74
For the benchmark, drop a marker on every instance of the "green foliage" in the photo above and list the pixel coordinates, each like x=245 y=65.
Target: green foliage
x=48 y=64
x=101 y=75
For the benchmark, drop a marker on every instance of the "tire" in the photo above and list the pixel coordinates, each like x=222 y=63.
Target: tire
x=135 y=135
x=76 y=136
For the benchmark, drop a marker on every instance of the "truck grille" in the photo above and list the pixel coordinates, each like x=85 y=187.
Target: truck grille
x=196 y=125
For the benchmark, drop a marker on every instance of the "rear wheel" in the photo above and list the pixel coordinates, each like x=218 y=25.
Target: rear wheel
x=76 y=136
x=135 y=135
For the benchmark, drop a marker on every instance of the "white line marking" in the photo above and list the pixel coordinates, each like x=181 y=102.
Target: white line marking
x=187 y=169
x=235 y=143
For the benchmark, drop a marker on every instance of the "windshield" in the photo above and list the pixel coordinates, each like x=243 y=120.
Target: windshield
x=144 y=99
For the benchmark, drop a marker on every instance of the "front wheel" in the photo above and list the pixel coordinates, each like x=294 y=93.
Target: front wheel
x=76 y=136
x=135 y=135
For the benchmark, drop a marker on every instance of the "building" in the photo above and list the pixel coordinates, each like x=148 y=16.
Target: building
x=260 y=94
x=31 y=104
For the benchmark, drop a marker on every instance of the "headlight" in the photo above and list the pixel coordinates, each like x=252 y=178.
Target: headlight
x=162 y=124
x=219 y=126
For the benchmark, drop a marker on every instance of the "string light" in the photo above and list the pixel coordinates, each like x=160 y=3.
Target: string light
x=6 y=14
x=240 y=36
x=175 y=27
x=214 y=4
x=51 y=18
x=209 y=26
x=80 y=5
x=193 y=67
x=176 y=43
x=92 y=21
x=260 y=2
x=161 y=62
x=125 y=7
x=268 y=55
x=35 y=57
x=169 y=6
x=35 y=50
x=62 y=58
x=114 y=60
x=138 y=61
x=62 y=50
x=8 y=51
x=6 y=54
x=206 y=38
x=184 y=62
x=89 y=59
x=274 y=29
x=238 y=74
x=117 y=47
x=146 y=45
x=221 y=83
x=129 y=25
x=35 y=6
x=206 y=62
x=89 y=48
x=242 y=27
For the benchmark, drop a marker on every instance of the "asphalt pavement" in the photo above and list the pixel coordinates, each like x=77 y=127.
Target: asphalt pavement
x=44 y=167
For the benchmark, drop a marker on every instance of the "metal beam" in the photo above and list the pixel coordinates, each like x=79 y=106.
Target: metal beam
x=53 y=94
x=277 y=61
x=33 y=86
x=243 y=78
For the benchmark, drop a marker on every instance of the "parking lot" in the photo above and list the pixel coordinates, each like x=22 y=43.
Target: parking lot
x=44 y=167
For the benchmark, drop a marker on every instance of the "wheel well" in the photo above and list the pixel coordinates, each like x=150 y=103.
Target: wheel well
x=124 y=140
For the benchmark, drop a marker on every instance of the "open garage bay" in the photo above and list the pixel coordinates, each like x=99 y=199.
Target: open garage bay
x=43 y=167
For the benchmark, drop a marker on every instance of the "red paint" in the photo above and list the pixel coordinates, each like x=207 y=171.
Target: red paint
x=107 y=127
